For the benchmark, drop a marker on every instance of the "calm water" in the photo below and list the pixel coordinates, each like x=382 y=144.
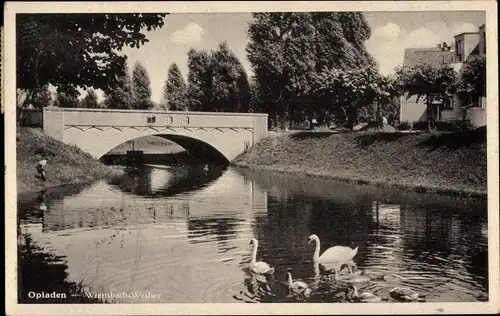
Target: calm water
x=183 y=236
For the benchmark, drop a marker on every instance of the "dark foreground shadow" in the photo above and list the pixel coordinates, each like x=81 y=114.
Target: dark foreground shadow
x=455 y=140
x=41 y=272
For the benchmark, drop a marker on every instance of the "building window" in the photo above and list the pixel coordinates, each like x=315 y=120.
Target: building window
x=459 y=51
x=448 y=104
x=151 y=119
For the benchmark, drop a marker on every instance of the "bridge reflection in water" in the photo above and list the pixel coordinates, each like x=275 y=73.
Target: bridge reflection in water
x=185 y=234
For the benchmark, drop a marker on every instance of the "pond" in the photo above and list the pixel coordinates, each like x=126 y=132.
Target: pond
x=181 y=235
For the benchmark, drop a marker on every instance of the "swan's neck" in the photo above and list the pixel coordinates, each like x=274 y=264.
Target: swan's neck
x=355 y=291
x=316 y=251
x=290 y=282
x=254 y=252
x=316 y=269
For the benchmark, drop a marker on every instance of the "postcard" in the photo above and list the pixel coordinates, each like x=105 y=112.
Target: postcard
x=251 y=158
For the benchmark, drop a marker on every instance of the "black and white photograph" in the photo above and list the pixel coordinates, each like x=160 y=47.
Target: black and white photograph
x=329 y=154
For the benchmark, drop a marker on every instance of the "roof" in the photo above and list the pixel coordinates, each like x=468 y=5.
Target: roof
x=466 y=33
x=429 y=55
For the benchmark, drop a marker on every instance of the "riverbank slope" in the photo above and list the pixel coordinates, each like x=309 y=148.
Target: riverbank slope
x=453 y=163
x=67 y=164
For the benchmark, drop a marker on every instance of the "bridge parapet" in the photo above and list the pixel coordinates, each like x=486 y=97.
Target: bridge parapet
x=79 y=116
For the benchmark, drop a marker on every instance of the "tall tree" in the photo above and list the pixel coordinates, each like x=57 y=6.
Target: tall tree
x=90 y=101
x=121 y=96
x=175 y=91
x=199 y=91
x=141 y=87
x=229 y=81
x=289 y=50
x=76 y=50
x=244 y=91
x=432 y=82
x=217 y=81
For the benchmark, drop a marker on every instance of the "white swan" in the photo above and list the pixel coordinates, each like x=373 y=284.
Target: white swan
x=258 y=267
x=350 y=278
x=336 y=254
x=404 y=294
x=364 y=297
x=298 y=287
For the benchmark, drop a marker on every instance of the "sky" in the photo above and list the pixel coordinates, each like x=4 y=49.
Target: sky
x=392 y=32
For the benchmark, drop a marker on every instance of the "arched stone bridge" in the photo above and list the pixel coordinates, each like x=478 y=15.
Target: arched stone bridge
x=211 y=134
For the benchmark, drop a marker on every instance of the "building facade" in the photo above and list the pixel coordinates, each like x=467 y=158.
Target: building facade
x=466 y=46
x=412 y=111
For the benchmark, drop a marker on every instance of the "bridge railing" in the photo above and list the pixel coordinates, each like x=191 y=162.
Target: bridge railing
x=57 y=118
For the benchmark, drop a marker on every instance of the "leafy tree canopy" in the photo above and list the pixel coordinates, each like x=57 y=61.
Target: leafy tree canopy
x=473 y=77
x=432 y=82
x=77 y=50
x=217 y=81
x=289 y=50
x=64 y=100
x=344 y=94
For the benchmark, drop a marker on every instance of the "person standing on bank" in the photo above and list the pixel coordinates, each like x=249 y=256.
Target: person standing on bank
x=40 y=168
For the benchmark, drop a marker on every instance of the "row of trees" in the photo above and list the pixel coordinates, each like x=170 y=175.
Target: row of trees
x=129 y=93
x=305 y=65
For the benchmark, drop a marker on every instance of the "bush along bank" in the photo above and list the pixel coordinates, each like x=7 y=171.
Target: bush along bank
x=449 y=163
x=67 y=164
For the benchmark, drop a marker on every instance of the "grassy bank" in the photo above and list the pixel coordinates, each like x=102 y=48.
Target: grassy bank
x=452 y=163
x=67 y=164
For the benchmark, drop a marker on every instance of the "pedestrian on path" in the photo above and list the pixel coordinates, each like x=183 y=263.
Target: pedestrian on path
x=40 y=168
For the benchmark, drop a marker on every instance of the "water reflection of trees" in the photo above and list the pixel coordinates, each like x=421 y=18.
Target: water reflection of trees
x=223 y=229
x=181 y=180
x=40 y=271
x=290 y=221
x=339 y=190
x=425 y=228
x=28 y=204
x=446 y=237
x=58 y=218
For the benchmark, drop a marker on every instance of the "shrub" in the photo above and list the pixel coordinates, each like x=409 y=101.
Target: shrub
x=420 y=125
x=454 y=126
x=404 y=126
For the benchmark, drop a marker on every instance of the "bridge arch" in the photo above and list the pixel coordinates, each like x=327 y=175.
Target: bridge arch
x=97 y=131
x=197 y=147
